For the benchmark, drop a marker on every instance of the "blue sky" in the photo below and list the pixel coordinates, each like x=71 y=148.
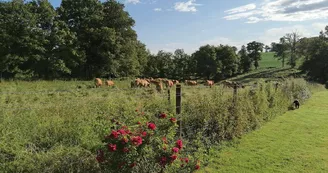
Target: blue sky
x=189 y=24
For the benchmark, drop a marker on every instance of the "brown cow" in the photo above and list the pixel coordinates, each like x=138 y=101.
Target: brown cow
x=209 y=83
x=98 y=82
x=175 y=81
x=189 y=82
x=109 y=83
x=168 y=83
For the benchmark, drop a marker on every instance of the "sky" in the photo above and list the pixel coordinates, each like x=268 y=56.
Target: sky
x=188 y=24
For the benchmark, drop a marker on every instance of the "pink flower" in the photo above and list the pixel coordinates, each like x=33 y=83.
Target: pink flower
x=152 y=126
x=136 y=140
x=179 y=144
x=112 y=147
x=175 y=150
x=144 y=134
x=162 y=115
x=173 y=120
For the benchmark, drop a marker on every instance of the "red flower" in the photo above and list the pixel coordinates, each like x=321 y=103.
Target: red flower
x=179 y=144
x=197 y=167
x=173 y=120
x=175 y=150
x=100 y=156
x=125 y=150
x=163 y=161
x=139 y=122
x=144 y=134
x=133 y=165
x=112 y=147
x=136 y=140
x=164 y=140
x=152 y=126
x=186 y=160
x=173 y=157
x=114 y=134
x=121 y=131
x=125 y=140
x=162 y=115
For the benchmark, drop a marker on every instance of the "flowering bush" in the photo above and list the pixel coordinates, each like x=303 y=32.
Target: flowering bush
x=144 y=146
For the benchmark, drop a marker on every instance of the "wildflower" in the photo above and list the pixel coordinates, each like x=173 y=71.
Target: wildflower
x=175 y=150
x=144 y=134
x=164 y=140
x=179 y=144
x=162 y=115
x=112 y=147
x=136 y=140
x=152 y=126
x=139 y=122
x=173 y=120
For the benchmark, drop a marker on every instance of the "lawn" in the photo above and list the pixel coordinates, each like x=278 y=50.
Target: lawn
x=294 y=142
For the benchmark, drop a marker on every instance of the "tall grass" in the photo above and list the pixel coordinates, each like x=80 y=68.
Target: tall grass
x=57 y=126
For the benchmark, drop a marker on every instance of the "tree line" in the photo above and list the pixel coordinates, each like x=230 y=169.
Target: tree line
x=88 y=38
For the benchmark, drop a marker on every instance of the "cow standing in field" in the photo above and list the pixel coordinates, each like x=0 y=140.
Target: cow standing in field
x=98 y=82
x=209 y=83
x=190 y=83
x=109 y=83
x=168 y=83
x=175 y=81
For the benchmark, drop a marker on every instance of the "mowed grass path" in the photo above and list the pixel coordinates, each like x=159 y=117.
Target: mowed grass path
x=294 y=142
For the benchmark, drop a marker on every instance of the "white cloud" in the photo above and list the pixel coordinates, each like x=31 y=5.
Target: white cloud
x=280 y=10
x=132 y=1
x=319 y=26
x=157 y=9
x=241 y=9
x=189 y=6
x=267 y=37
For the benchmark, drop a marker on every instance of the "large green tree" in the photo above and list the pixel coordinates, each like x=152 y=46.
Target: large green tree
x=254 y=49
x=292 y=40
x=316 y=57
x=281 y=50
x=245 y=64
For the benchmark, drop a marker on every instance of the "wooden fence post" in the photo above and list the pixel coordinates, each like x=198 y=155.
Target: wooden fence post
x=178 y=105
x=235 y=89
x=169 y=95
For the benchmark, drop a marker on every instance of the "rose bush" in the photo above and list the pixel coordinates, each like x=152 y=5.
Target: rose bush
x=145 y=145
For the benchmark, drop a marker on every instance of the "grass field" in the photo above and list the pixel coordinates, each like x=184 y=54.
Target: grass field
x=268 y=60
x=294 y=142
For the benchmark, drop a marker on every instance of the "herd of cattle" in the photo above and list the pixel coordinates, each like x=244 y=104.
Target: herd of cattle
x=159 y=83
